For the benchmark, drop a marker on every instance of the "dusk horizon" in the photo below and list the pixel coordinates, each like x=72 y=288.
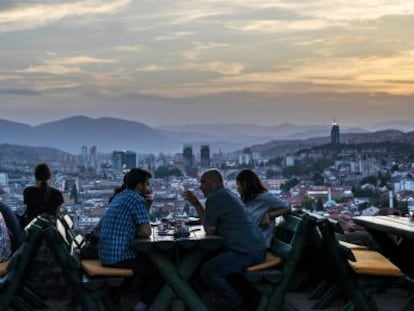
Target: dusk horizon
x=175 y=63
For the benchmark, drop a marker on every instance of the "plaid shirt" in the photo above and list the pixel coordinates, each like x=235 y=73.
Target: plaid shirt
x=125 y=212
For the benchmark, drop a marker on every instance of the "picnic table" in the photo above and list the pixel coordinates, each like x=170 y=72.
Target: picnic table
x=395 y=235
x=177 y=258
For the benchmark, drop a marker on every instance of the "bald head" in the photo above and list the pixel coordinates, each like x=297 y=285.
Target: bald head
x=210 y=180
x=213 y=175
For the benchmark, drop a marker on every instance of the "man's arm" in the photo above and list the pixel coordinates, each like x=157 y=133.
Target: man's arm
x=193 y=200
x=144 y=230
x=190 y=197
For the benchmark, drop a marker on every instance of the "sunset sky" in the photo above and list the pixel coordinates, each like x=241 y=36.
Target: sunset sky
x=178 y=62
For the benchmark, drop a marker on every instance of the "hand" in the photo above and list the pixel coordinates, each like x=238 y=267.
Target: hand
x=190 y=197
x=149 y=199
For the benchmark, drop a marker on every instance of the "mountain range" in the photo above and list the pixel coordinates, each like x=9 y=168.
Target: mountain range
x=109 y=134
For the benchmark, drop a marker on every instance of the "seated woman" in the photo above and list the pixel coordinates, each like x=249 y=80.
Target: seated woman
x=41 y=198
x=262 y=206
x=5 y=244
x=13 y=225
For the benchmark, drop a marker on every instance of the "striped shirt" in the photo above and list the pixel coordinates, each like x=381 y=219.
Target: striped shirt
x=126 y=211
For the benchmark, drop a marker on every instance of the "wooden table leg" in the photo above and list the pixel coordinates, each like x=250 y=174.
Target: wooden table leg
x=176 y=280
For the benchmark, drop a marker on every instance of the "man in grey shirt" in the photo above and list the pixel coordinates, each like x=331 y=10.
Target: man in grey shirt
x=225 y=215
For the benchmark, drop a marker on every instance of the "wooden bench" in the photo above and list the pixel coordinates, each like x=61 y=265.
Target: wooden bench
x=272 y=277
x=94 y=268
x=358 y=271
x=352 y=246
x=373 y=263
x=3 y=267
x=96 y=279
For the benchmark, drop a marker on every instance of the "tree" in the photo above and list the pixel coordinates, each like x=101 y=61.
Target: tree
x=308 y=202
x=318 y=179
x=372 y=180
x=165 y=171
x=285 y=187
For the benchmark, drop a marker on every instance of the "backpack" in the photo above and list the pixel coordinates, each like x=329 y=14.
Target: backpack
x=5 y=243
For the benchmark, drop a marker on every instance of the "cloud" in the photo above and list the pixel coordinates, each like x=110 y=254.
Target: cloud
x=129 y=48
x=53 y=69
x=151 y=68
x=173 y=36
x=23 y=92
x=79 y=60
x=219 y=67
x=198 y=46
x=272 y=26
x=33 y=16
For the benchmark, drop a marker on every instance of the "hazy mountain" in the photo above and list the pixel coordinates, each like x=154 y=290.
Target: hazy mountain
x=405 y=126
x=70 y=134
x=281 y=147
x=109 y=134
x=248 y=133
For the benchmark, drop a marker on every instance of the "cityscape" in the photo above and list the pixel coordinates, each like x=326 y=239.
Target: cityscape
x=332 y=178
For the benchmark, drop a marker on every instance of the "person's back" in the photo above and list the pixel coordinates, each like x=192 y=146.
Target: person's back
x=227 y=212
x=41 y=198
x=225 y=215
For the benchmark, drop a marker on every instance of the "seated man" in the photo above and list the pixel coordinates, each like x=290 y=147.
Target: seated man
x=225 y=215
x=125 y=219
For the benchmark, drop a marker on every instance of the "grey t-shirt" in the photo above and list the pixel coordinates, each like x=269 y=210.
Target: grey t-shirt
x=227 y=213
x=258 y=207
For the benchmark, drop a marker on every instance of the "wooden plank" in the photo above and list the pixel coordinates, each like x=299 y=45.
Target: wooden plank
x=393 y=225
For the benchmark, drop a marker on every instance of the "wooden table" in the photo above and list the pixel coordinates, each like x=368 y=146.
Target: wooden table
x=395 y=235
x=177 y=259
x=401 y=226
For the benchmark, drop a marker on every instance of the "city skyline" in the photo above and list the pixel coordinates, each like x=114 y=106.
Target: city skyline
x=186 y=62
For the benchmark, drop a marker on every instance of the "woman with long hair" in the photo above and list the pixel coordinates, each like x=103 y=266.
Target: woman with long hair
x=262 y=205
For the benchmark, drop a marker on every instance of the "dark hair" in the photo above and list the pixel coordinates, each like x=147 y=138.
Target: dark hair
x=251 y=183
x=119 y=189
x=42 y=173
x=136 y=176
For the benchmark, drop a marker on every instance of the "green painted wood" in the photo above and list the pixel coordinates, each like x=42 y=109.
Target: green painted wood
x=289 y=242
x=20 y=262
x=345 y=276
x=177 y=283
x=69 y=266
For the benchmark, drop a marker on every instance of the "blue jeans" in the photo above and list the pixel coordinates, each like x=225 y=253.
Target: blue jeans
x=216 y=270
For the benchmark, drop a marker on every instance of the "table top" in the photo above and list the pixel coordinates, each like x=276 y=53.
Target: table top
x=402 y=226
x=166 y=240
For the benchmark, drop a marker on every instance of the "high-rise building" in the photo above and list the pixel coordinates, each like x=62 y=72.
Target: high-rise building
x=205 y=156
x=130 y=159
x=335 y=134
x=124 y=160
x=93 y=158
x=187 y=157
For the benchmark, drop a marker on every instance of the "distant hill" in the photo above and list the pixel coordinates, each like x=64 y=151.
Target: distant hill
x=26 y=156
x=247 y=134
x=281 y=147
x=70 y=134
x=109 y=134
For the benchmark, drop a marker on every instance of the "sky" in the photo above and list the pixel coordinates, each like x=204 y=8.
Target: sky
x=208 y=61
